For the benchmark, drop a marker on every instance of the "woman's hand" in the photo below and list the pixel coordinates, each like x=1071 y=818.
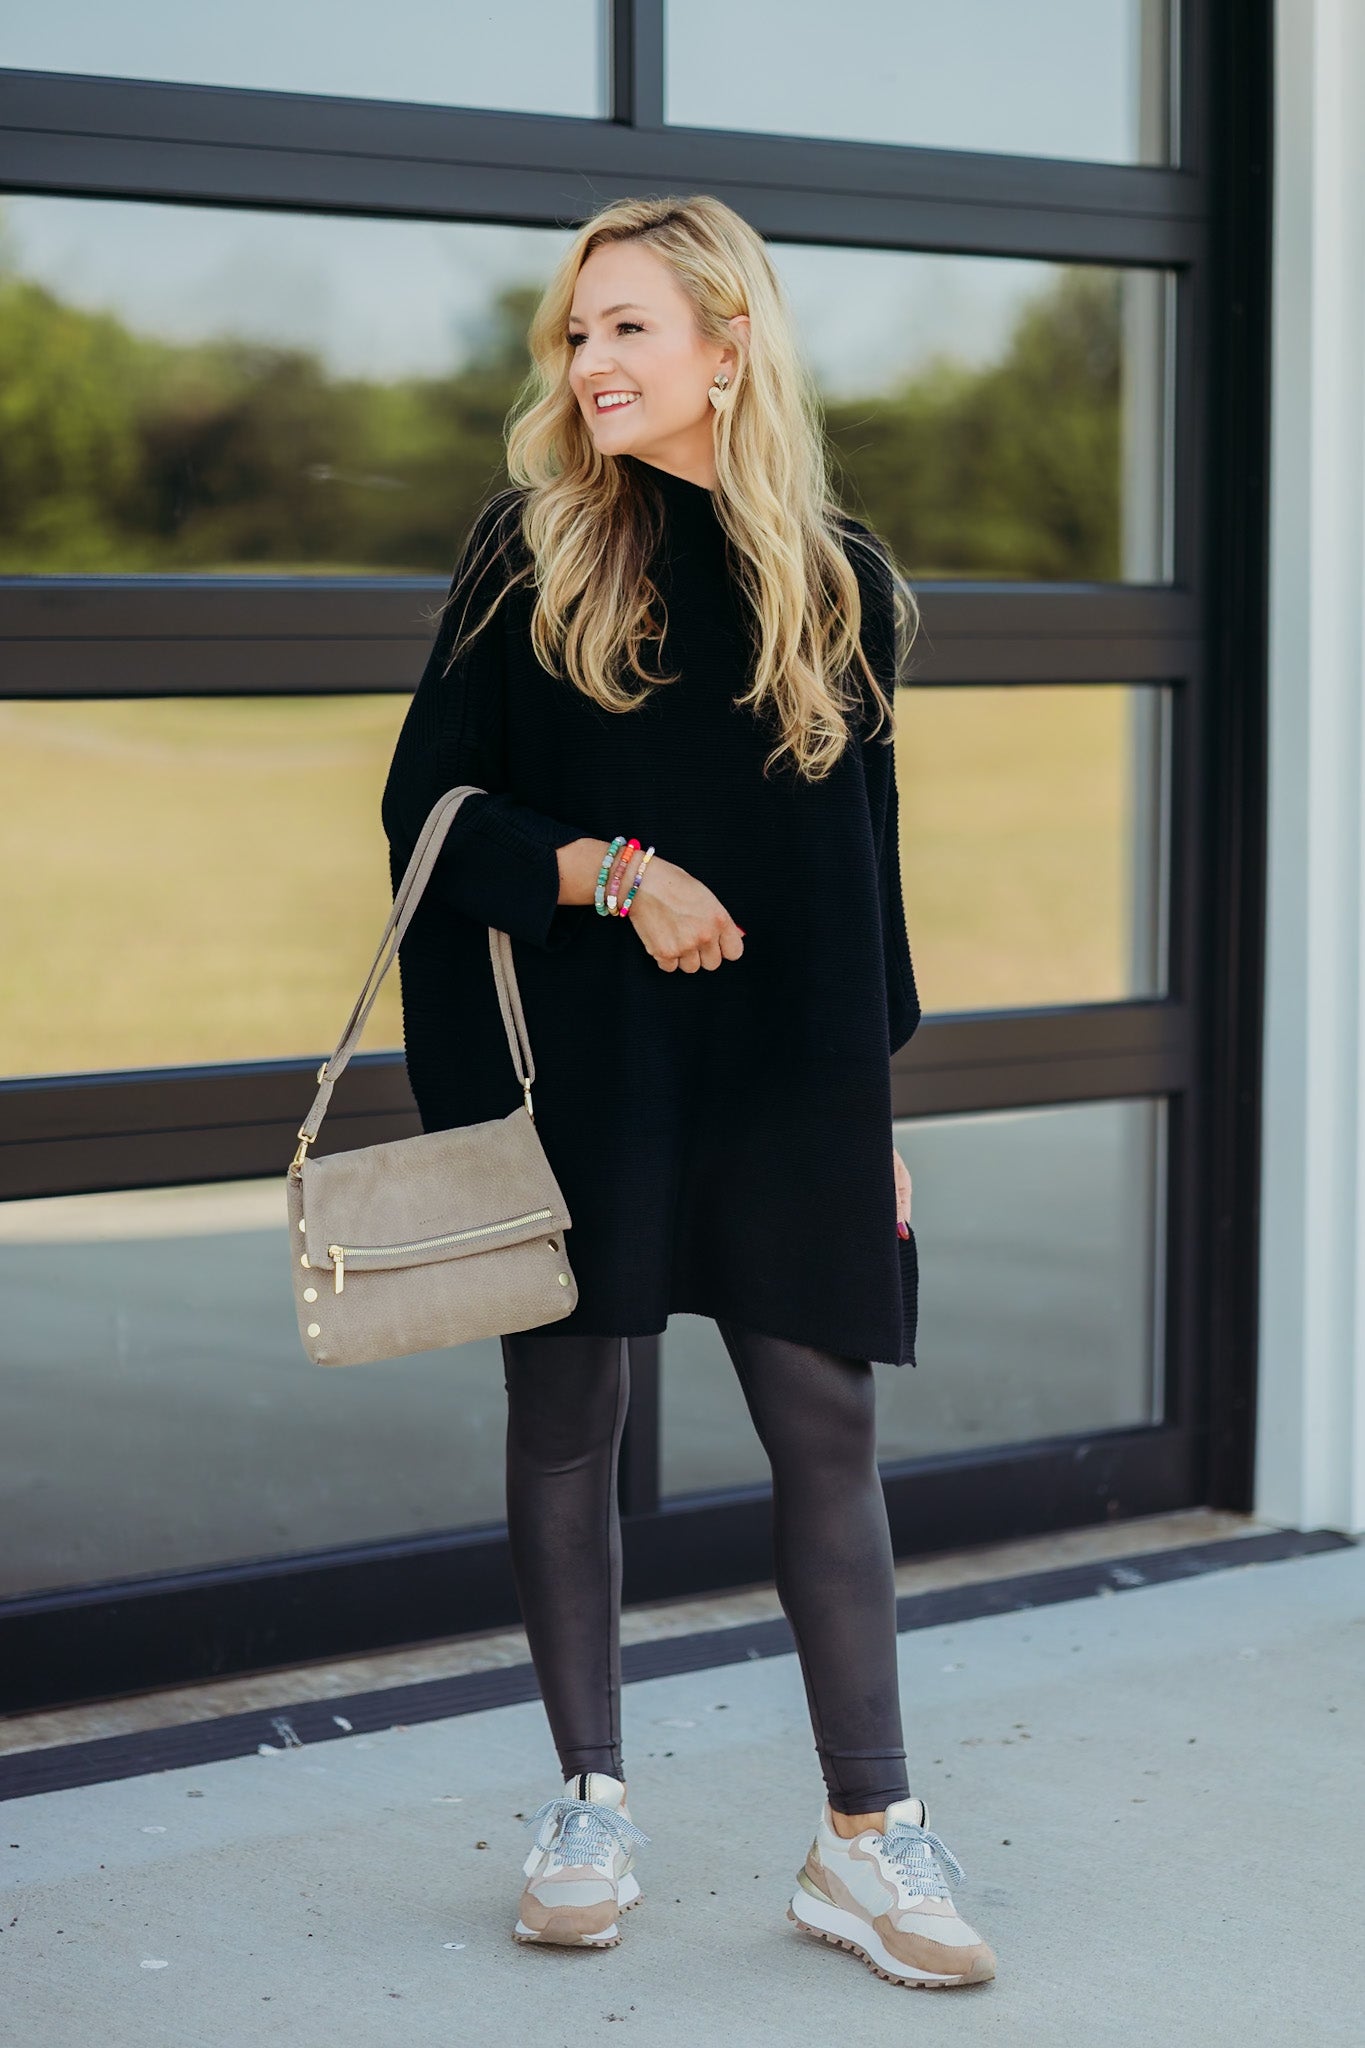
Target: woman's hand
x=902 y=1173
x=681 y=923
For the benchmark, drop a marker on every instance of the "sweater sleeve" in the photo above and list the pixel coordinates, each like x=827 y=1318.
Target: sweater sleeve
x=497 y=865
x=874 y=573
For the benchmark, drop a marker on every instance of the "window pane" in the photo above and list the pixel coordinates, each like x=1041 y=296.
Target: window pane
x=1060 y=78
x=157 y=924
x=1033 y=843
x=1039 y=1233
x=995 y=417
x=706 y=1435
x=1041 y=1277
x=200 y=389
x=207 y=390
x=155 y=929
x=533 y=56
x=160 y=1413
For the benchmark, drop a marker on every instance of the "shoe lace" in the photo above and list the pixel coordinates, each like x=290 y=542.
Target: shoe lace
x=914 y=1853
x=584 y=1831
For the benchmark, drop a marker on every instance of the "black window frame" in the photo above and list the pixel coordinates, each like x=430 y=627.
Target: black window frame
x=1203 y=635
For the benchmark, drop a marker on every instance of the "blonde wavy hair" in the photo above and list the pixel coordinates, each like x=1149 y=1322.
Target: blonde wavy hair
x=590 y=533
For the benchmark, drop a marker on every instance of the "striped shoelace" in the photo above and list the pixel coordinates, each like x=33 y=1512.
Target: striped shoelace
x=586 y=1833
x=914 y=1854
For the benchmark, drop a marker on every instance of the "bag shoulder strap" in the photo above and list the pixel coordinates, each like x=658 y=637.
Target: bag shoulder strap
x=405 y=900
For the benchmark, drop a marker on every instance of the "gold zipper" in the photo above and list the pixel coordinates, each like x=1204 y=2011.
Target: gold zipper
x=339 y=1253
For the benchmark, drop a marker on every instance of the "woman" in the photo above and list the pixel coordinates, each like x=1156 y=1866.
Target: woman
x=666 y=661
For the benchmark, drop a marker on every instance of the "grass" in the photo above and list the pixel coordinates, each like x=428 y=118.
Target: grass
x=203 y=880
x=1017 y=844
x=192 y=879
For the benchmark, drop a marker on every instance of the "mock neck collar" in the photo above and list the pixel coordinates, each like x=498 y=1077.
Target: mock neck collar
x=680 y=496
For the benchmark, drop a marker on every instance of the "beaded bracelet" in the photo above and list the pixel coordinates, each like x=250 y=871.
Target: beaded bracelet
x=630 y=893
x=623 y=858
x=599 y=893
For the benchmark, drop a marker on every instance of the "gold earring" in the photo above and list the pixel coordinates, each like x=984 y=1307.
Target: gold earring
x=720 y=383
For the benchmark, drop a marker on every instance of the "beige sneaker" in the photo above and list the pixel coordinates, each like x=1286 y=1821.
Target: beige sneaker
x=884 y=1895
x=578 y=1873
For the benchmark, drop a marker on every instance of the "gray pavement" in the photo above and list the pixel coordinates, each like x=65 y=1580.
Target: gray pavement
x=1171 y=1853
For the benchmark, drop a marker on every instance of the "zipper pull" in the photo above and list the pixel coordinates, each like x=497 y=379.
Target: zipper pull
x=337 y=1255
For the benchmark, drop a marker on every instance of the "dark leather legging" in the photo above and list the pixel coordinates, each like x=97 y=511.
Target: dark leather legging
x=814 y=1412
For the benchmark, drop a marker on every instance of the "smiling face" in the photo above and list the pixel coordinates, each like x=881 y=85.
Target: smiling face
x=639 y=368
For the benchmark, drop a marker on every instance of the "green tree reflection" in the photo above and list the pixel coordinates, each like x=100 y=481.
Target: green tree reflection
x=120 y=452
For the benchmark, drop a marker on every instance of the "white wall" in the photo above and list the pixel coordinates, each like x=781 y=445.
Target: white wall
x=1310 y=1463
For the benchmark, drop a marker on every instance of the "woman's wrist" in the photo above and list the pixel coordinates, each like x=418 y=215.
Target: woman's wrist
x=579 y=863
x=581 y=868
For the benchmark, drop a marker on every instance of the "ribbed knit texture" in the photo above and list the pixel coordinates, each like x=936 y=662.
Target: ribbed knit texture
x=723 y=1138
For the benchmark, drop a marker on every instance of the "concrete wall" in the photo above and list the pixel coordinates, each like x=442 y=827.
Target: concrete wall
x=1311 y=1436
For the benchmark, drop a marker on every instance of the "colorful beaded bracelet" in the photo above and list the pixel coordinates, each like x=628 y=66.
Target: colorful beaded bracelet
x=623 y=859
x=630 y=893
x=599 y=893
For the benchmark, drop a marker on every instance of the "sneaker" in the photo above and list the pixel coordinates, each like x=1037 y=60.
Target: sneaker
x=884 y=1895
x=578 y=1872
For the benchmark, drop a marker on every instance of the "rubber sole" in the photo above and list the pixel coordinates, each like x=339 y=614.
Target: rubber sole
x=842 y=1929
x=628 y=1896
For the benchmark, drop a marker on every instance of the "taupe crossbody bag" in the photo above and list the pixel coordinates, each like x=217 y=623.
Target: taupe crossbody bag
x=437 y=1239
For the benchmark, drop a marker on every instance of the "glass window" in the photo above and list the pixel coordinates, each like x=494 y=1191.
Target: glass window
x=994 y=417
x=1060 y=78
x=1039 y=1233
x=1034 y=843
x=208 y=390
x=153 y=923
x=202 y=389
x=707 y=1440
x=532 y=56
x=160 y=1413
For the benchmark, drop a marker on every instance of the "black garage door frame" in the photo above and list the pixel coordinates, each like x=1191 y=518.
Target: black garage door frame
x=1203 y=635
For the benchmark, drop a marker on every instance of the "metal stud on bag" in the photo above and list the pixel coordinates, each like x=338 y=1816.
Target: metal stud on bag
x=438 y=1239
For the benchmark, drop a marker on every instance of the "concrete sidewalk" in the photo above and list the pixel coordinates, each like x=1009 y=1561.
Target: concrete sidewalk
x=1172 y=1853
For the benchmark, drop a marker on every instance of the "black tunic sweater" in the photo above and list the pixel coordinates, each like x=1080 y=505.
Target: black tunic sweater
x=723 y=1138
